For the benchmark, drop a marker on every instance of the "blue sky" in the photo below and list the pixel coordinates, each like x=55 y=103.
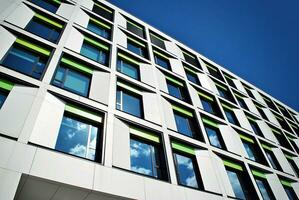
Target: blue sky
x=256 y=39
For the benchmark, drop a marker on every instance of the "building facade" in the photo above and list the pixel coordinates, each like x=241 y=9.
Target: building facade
x=96 y=104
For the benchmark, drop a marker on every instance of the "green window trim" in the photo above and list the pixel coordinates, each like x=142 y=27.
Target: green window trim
x=246 y=138
x=133 y=24
x=210 y=122
x=104 y=8
x=48 y=20
x=182 y=110
x=100 y=23
x=131 y=60
x=294 y=126
x=279 y=118
x=232 y=165
x=129 y=88
x=144 y=134
x=174 y=81
x=246 y=87
x=279 y=106
x=275 y=131
x=288 y=156
x=259 y=174
x=83 y=113
x=183 y=148
x=6 y=85
x=251 y=118
x=258 y=106
x=290 y=137
x=221 y=86
x=227 y=107
x=238 y=95
x=96 y=43
x=267 y=147
x=57 y=1
x=228 y=76
x=211 y=67
x=190 y=70
x=137 y=42
x=160 y=54
x=205 y=96
x=157 y=37
x=76 y=65
x=286 y=183
x=188 y=54
x=34 y=47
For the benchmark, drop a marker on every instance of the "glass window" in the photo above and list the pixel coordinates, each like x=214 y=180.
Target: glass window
x=236 y=183
x=184 y=124
x=103 y=11
x=186 y=170
x=135 y=28
x=157 y=40
x=256 y=129
x=262 y=113
x=128 y=102
x=214 y=137
x=290 y=192
x=264 y=189
x=94 y=53
x=294 y=166
x=99 y=30
x=210 y=106
x=128 y=69
x=25 y=61
x=72 y=80
x=214 y=72
x=231 y=117
x=78 y=137
x=242 y=103
x=136 y=48
x=3 y=96
x=174 y=90
x=250 y=151
x=163 y=62
x=192 y=77
x=224 y=93
x=249 y=92
x=273 y=161
x=49 y=5
x=231 y=82
x=44 y=30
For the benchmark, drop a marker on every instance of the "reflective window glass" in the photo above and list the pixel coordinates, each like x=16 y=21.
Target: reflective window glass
x=3 y=96
x=213 y=136
x=128 y=69
x=94 y=53
x=93 y=27
x=162 y=62
x=264 y=189
x=184 y=124
x=236 y=184
x=129 y=103
x=49 y=5
x=250 y=151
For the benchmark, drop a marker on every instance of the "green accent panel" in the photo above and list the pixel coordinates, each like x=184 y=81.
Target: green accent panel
x=129 y=88
x=294 y=126
x=286 y=183
x=188 y=54
x=288 y=156
x=205 y=96
x=50 y=21
x=144 y=134
x=160 y=54
x=291 y=138
x=275 y=131
x=258 y=174
x=221 y=86
x=100 y=23
x=258 y=106
x=182 y=110
x=232 y=165
x=227 y=107
x=104 y=8
x=131 y=60
x=279 y=118
x=96 y=43
x=174 y=81
x=83 y=113
x=210 y=122
x=33 y=47
x=267 y=147
x=183 y=148
x=6 y=85
x=246 y=87
x=229 y=77
x=240 y=96
x=248 y=139
x=57 y=1
x=139 y=27
x=190 y=70
x=211 y=67
x=76 y=65
x=136 y=42
x=250 y=118
x=157 y=37
x=266 y=99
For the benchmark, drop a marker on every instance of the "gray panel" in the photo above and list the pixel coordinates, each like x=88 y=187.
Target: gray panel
x=168 y=114
x=296 y=160
x=147 y=74
x=207 y=82
x=120 y=38
x=65 y=10
x=194 y=96
x=21 y=16
x=296 y=188
x=151 y=108
x=239 y=85
x=173 y=48
x=45 y=131
x=161 y=81
x=6 y=40
x=276 y=187
x=75 y=40
x=271 y=117
x=9 y=181
x=99 y=89
x=13 y=113
x=82 y=18
x=266 y=130
x=257 y=96
x=251 y=106
x=242 y=119
x=231 y=139
x=120 y=20
x=121 y=145
x=177 y=67
x=283 y=162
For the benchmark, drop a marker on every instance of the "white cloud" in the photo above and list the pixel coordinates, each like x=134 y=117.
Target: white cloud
x=141 y=170
x=191 y=181
x=184 y=161
x=134 y=153
x=79 y=150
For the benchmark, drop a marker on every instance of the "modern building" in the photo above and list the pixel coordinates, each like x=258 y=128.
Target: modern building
x=97 y=105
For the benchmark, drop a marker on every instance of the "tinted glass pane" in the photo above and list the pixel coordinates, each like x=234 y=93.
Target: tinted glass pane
x=136 y=49
x=174 y=90
x=255 y=128
x=158 y=42
x=102 y=12
x=242 y=103
x=249 y=151
x=3 y=96
x=272 y=160
x=263 y=189
x=213 y=137
x=94 y=53
x=47 y=4
x=43 y=30
x=290 y=192
x=135 y=30
x=185 y=171
x=128 y=69
x=143 y=158
x=24 y=61
x=236 y=184
x=231 y=117
x=73 y=138
x=183 y=125
x=162 y=62
x=98 y=30
x=131 y=104
x=193 y=78
x=207 y=106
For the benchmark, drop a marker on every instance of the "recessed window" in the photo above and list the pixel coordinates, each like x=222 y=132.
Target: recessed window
x=241 y=101
x=79 y=136
x=271 y=157
x=262 y=184
x=213 y=133
x=146 y=153
x=269 y=103
x=135 y=28
x=3 y=96
x=224 y=92
x=128 y=66
x=177 y=89
x=49 y=5
x=283 y=123
x=5 y=87
x=157 y=40
x=292 y=164
x=103 y=11
x=128 y=101
x=95 y=51
x=287 y=186
x=214 y=71
x=27 y=58
x=45 y=27
x=100 y=28
x=255 y=127
x=248 y=91
x=282 y=140
x=190 y=58
x=249 y=148
x=230 y=81
x=162 y=60
x=230 y=115
x=186 y=166
x=137 y=47
x=192 y=75
x=261 y=111
x=73 y=76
